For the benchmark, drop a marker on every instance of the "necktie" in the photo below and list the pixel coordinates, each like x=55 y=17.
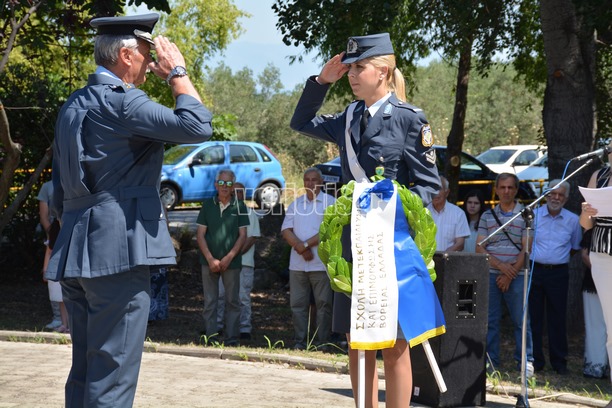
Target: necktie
x=365 y=117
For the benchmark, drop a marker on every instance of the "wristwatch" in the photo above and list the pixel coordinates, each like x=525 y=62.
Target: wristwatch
x=305 y=244
x=176 y=71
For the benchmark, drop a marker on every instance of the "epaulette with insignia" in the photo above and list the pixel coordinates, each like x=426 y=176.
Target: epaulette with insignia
x=402 y=104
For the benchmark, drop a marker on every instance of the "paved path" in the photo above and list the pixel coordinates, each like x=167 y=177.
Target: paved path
x=32 y=375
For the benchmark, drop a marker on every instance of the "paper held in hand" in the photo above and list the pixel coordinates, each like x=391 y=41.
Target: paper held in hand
x=599 y=198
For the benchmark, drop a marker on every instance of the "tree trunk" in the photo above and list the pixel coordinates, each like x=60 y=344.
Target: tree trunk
x=456 y=136
x=13 y=150
x=11 y=210
x=568 y=114
x=569 y=97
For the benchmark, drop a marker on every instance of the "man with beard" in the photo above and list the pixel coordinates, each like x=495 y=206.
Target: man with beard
x=557 y=237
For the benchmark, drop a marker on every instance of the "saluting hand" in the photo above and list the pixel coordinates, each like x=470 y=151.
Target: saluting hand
x=333 y=70
x=168 y=57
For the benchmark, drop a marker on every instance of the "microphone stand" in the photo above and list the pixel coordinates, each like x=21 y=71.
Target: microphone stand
x=527 y=214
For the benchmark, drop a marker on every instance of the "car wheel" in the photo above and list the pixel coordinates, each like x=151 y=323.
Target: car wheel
x=169 y=196
x=268 y=196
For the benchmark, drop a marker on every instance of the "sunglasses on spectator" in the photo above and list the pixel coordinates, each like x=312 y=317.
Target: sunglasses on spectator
x=225 y=183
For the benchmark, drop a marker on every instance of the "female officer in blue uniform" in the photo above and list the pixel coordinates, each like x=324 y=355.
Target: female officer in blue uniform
x=108 y=152
x=380 y=133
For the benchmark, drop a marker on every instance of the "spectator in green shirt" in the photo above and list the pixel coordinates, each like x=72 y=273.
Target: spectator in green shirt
x=221 y=233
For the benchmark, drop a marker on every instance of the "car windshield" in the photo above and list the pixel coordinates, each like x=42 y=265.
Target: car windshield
x=177 y=153
x=542 y=161
x=496 y=156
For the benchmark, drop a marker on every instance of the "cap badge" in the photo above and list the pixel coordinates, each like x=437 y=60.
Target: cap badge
x=352 y=46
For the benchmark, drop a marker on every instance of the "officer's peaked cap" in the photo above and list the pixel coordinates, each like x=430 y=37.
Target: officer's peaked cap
x=140 y=26
x=367 y=46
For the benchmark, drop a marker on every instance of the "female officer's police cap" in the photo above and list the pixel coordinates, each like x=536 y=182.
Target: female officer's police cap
x=140 y=26
x=367 y=46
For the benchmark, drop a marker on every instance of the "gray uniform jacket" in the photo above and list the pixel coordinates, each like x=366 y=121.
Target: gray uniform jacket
x=107 y=157
x=393 y=139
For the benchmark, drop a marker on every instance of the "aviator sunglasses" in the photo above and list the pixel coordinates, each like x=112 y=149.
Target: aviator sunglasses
x=225 y=183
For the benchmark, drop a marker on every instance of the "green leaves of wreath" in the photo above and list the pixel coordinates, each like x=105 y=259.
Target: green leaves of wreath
x=338 y=215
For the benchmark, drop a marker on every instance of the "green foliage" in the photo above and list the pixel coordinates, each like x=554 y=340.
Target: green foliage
x=324 y=27
x=338 y=215
x=51 y=57
x=211 y=341
x=273 y=346
x=262 y=112
x=501 y=110
x=224 y=127
x=452 y=25
x=31 y=100
x=527 y=46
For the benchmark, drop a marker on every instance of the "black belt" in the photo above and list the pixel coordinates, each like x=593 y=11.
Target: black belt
x=549 y=266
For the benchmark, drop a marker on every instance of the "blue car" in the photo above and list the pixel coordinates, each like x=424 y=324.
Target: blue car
x=189 y=172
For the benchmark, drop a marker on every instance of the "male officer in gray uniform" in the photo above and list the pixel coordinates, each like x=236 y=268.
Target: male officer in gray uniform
x=108 y=152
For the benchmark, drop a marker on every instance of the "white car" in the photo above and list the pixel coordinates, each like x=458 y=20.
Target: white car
x=536 y=175
x=511 y=159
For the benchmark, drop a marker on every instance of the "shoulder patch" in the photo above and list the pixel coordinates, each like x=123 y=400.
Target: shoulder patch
x=427 y=138
x=430 y=156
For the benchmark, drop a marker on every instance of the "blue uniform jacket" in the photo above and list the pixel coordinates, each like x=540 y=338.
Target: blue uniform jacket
x=393 y=139
x=107 y=157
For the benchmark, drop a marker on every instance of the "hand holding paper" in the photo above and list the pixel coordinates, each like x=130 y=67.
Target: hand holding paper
x=597 y=199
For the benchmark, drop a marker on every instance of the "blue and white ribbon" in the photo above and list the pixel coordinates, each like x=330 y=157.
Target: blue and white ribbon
x=397 y=275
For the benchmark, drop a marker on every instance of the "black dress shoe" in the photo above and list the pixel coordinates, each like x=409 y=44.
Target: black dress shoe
x=245 y=336
x=562 y=370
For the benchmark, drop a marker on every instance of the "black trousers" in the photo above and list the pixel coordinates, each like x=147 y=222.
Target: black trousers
x=548 y=302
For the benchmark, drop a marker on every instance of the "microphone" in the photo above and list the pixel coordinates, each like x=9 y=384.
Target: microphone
x=598 y=152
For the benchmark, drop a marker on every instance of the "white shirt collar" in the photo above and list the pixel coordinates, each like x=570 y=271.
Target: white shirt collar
x=103 y=71
x=376 y=105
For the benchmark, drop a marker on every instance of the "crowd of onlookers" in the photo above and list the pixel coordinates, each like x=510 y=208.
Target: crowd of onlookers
x=556 y=236
x=227 y=230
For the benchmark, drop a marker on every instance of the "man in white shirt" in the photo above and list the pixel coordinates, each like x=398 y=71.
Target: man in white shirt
x=306 y=271
x=451 y=221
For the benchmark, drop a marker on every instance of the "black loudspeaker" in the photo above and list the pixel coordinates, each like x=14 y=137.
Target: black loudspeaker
x=462 y=286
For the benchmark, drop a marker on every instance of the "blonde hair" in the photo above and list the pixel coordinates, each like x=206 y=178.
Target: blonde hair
x=395 y=80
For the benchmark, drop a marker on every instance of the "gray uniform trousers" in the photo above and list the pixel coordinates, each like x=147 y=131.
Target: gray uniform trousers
x=115 y=310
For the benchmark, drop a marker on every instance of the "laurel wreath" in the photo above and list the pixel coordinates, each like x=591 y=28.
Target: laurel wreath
x=338 y=215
